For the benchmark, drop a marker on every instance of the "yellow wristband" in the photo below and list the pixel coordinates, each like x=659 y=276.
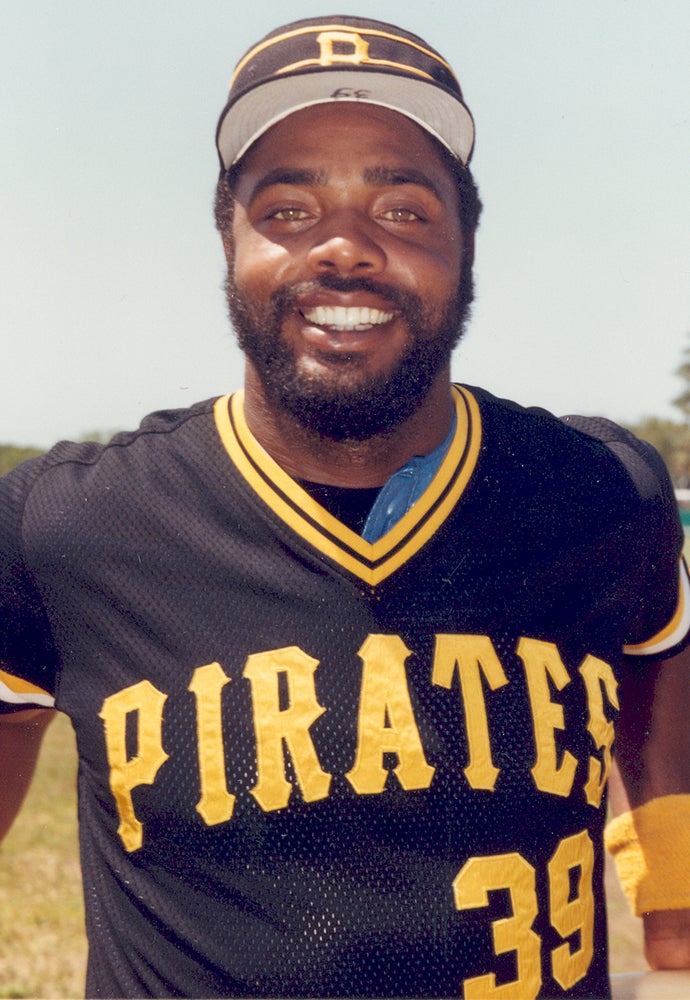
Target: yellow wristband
x=651 y=848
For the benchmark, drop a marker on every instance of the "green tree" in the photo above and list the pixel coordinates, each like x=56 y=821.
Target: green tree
x=10 y=455
x=672 y=440
x=682 y=401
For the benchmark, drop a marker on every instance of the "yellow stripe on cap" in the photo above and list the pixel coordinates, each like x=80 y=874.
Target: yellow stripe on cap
x=346 y=29
x=306 y=63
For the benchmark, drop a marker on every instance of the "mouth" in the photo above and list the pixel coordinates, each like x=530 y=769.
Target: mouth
x=347 y=318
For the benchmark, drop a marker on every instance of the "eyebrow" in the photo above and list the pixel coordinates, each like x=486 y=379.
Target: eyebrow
x=397 y=176
x=288 y=175
x=374 y=176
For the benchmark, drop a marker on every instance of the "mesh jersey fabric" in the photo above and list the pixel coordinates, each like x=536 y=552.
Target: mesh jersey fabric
x=296 y=782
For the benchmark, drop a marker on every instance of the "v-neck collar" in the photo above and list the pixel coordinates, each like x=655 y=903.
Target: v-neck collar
x=370 y=562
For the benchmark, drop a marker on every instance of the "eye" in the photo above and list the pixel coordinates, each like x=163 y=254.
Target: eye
x=400 y=214
x=289 y=214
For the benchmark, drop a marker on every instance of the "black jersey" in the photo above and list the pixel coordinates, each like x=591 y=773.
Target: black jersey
x=315 y=766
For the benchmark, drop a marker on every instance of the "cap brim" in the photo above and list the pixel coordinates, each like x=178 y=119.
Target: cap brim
x=430 y=105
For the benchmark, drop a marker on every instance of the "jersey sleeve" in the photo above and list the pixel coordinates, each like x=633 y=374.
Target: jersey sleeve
x=27 y=656
x=661 y=626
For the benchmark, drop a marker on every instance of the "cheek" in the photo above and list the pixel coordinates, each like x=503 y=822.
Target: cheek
x=432 y=270
x=258 y=264
x=450 y=258
x=433 y=277
x=263 y=271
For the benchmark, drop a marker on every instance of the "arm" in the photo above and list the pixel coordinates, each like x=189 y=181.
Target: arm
x=21 y=734
x=653 y=760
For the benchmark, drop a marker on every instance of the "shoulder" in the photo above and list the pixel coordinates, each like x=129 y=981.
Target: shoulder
x=70 y=472
x=589 y=447
x=641 y=460
x=162 y=430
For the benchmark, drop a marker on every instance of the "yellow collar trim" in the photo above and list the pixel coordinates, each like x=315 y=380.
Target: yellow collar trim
x=370 y=562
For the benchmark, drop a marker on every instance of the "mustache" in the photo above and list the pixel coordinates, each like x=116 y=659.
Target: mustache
x=286 y=296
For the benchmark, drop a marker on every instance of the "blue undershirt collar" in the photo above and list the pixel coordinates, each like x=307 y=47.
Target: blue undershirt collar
x=403 y=489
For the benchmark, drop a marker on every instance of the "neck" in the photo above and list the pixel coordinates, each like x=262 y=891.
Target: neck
x=306 y=454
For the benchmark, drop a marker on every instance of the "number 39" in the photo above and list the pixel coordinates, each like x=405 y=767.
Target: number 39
x=511 y=872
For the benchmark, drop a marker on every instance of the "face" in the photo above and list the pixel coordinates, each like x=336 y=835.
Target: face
x=344 y=268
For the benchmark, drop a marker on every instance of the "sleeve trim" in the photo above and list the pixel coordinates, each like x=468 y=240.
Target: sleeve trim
x=16 y=691
x=677 y=628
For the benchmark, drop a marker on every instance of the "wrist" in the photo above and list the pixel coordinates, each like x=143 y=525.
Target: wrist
x=651 y=846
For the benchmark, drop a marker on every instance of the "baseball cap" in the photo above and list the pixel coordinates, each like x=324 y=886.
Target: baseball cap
x=342 y=58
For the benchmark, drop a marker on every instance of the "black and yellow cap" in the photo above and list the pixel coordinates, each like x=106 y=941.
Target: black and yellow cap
x=342 y=58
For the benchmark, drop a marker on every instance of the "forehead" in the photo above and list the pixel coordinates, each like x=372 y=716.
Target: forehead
x=347 y=137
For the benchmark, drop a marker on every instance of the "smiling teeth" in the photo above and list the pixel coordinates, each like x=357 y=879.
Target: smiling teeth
x=347 y=317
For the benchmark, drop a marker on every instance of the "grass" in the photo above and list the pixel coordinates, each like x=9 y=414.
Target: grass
x=42 y=943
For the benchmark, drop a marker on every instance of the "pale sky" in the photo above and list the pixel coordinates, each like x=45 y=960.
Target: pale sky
x=111 y=272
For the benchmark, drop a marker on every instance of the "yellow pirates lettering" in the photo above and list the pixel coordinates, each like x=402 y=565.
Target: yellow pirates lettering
x=216 y=803
x=126 y=774
x=543 y=664
x=275 y=726
x=285 y=708
x=475 y=657
x=386 y=720
x=598 y=677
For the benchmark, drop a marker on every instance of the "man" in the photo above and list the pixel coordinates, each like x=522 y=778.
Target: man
x=344 y=652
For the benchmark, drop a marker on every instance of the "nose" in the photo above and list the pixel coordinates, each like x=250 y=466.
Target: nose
x=346 y=246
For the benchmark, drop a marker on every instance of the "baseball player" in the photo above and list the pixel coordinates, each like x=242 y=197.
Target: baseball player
x=349 y=653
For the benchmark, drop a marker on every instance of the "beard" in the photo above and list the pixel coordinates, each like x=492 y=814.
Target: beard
x=349 y=408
